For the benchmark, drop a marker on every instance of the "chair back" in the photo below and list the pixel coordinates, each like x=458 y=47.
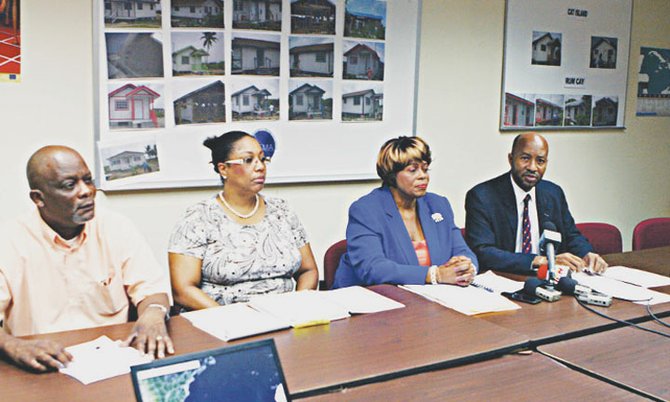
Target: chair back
x=605 y=238
x=330 y=262
x=650 y=233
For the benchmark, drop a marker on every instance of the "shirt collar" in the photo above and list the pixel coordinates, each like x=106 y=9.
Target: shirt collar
x=53 y=238
x=519 y=193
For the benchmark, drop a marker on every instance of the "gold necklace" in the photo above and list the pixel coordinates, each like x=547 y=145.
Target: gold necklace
x=243 y=216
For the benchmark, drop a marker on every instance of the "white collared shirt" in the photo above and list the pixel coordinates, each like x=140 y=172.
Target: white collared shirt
x=519 y=194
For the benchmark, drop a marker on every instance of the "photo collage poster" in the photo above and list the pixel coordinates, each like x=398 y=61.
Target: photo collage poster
x=565 y=66
x=169 y=65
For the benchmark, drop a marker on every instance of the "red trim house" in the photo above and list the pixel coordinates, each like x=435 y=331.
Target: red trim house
x=133 y=107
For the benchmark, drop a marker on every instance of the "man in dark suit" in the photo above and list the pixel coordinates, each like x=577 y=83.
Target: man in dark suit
x=505 y=216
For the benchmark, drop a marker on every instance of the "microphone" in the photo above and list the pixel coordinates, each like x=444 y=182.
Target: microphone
x=533 y=287
x=560 y=271
x=548 y=241
x=583 y=293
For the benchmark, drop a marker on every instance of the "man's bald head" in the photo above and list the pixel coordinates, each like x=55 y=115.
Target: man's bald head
x=528 y=159
x=521 y=140
x=43 y=162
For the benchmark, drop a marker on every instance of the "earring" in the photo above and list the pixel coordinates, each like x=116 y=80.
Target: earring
x=224 y=177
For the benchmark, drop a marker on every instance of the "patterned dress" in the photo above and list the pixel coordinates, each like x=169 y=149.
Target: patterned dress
x=240 y=261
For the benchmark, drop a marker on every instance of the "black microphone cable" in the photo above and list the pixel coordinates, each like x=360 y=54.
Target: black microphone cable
x=632 y=324
x=658 y=320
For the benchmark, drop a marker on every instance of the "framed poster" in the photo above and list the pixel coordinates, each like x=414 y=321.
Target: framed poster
x=330 y=80
x=566 y=64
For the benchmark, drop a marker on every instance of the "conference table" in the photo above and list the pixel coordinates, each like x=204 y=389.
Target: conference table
x=652 y=260
x=423 y=336
x=424 y=346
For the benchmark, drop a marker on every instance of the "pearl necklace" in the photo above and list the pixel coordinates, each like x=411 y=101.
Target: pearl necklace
x=243 y=216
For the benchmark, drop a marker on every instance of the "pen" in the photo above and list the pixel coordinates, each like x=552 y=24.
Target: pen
x=311 y=323
x=486 y=288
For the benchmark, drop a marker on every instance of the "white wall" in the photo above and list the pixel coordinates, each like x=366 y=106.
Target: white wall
x=615 y=176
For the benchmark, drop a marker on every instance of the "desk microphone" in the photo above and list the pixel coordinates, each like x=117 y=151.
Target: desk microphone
x=549 y=240
x=534 y=287
x=583 y=293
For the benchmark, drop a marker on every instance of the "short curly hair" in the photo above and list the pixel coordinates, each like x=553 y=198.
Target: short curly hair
x=397 y=153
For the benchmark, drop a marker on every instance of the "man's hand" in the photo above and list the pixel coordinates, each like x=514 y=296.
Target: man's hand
x=595 y=263
x=459 y=270
x=38 y=355
x=150 y=335
x=571 y=261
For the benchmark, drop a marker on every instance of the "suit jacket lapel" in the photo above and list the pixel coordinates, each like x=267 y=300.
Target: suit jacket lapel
x=510 y=208
x=429 y=227
x=398 y=229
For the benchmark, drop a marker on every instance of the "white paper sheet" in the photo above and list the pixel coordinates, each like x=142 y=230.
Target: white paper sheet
x=468 y=300
x=613 y=287
x=358 y=300
x=636 y=277
x=234 y=321
x=303 y=308
x=497 y=283
x=100 y=359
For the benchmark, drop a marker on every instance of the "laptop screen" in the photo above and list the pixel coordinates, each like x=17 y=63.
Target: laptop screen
x=247 y=372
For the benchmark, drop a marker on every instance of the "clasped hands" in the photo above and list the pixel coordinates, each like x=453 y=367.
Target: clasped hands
x=459 y=270
x=149 y=335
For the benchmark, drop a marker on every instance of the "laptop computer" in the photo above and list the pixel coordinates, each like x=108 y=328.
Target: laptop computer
x=247 y=372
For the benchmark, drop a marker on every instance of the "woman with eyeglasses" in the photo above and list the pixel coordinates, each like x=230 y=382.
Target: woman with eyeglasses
x=401 y=234
x=238 y=243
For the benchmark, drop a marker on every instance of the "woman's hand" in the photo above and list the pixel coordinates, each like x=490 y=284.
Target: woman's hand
x=459 y=270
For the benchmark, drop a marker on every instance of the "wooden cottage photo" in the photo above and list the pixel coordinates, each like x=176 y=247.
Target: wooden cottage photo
x=365 y=19
x=546 y=48
x=198 y=53
x=136 y=105
x=519 y=110
x=259 y=101
x=310 y=100
x=129 y=160
x=578 y=110
x=132 y=13
x=311 y=56
x=603 y=52
x=313 y=17
x=363 y=61
x=255 y=54
x=549 y=110
x=196 y=13
x=362 y=102
x=204 y=104
x=257 y=14
x=134 y=55
x=605 y=111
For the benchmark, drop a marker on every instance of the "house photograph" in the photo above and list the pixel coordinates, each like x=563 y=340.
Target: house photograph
x=310 y=100
x=134 y=55
x=362 y=101
x=578 y=110
x=313 y=17
x=546 y=48
x=365 y=19
x=255 y=54
x=605 y=111
x=138 y=106
x=127 y=160
x=132 y=13
x=198 y=53
x=197 y=13
x=363 y=60
x=197 y=103
x=257 y=14
x=519 y=110
x=311 y=57
x=603 y=52
x=549 y=110
x=255 y=101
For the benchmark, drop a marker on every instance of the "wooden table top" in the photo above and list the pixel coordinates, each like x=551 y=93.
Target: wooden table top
x=653 y=260
x=509 y=378
x=361 y=349
x=627 y=356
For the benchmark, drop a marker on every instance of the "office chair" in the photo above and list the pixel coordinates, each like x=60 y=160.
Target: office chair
x=605 y=238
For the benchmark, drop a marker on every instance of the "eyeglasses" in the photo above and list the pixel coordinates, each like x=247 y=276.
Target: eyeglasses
x=415 y=166
x=249 y=161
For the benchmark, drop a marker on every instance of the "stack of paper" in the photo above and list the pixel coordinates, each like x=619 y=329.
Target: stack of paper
x=468 y=300
x=620 y=290
x=102 y=358
x=636 y=277
x=234 y=321
x=359 y=300
x=299 y=309
x=497 y=283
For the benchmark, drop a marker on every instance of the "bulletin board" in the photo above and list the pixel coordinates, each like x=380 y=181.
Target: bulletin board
x=566 y=64
x=331 y=80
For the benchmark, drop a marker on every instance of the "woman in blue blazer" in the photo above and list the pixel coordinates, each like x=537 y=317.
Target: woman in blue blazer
x=401 y=234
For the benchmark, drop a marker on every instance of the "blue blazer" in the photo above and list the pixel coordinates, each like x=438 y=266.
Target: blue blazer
x=379 y=249
x=491 y=222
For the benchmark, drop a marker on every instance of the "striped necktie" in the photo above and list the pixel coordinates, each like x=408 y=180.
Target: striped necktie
x=527 y=244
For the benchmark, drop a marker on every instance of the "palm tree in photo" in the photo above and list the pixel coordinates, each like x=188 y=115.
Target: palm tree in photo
x=208 y=39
